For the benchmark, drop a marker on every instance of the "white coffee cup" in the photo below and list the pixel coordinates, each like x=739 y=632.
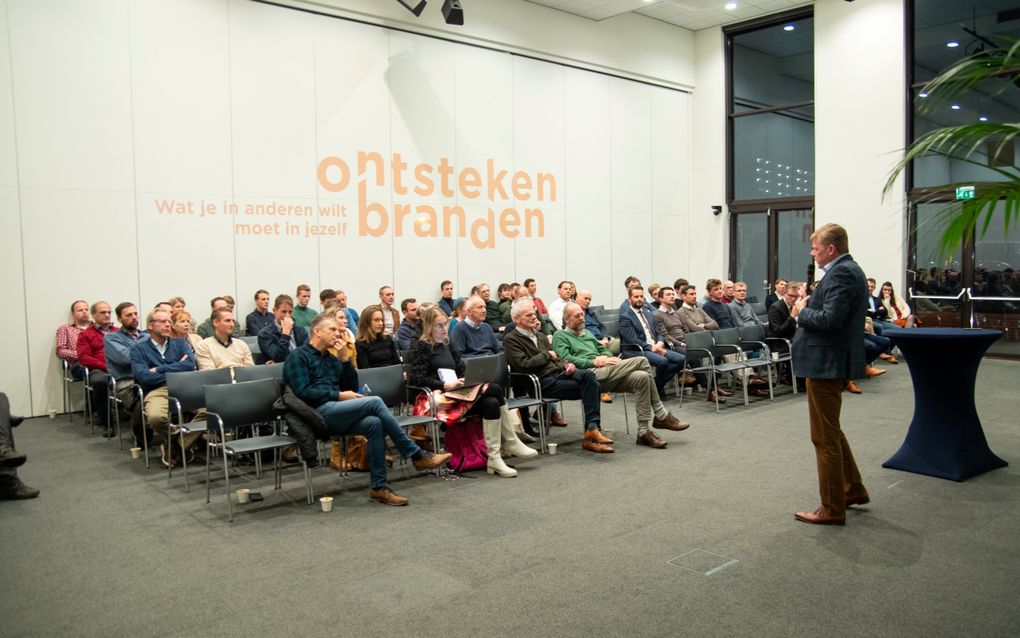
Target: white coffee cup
x=552 y=448
x=242 y=495
x=327 y=503
x=775 y=356
x=136 y=452
x=53 y=414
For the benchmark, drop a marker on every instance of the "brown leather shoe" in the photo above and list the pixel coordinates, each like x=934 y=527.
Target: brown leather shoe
x=888 y=358
x=852 y=387
x=596 y=436
x=386 y=497
x=818 y=517
x=670 y=422
x=648 y=438
x=430 y=461
x=606 y=397
x=558 y=420
x=758 y=392
x=858 y=500
x=723 y=392
x=872 y=371
x=598 y=448
x=712 y=397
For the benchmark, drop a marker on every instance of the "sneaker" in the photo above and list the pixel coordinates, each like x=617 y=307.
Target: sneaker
x=386 y=496
x=11 y=458
x=429 y=462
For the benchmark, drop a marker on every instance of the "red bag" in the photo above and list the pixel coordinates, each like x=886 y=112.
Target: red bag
x=465 y=441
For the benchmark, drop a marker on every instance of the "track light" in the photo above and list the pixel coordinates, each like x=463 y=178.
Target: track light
x=453 y=13
x=416 y=9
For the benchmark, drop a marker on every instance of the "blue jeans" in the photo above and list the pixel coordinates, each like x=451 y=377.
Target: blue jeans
x=581 y=385
x=370 y=418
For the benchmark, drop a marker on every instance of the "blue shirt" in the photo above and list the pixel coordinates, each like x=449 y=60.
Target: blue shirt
x=593 y=325
x=117 y=348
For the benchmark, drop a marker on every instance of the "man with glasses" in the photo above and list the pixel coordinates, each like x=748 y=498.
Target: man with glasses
x=151 y=360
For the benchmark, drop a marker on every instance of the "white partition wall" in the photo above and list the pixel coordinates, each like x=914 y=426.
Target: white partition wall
x=203 y=147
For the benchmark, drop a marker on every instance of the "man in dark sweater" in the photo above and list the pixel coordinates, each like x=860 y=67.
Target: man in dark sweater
x=260 y=317
x=327 y=384
x=716 y=307
x=492 y=312
x=528 y=351
x=283 y=336
x=472 y=337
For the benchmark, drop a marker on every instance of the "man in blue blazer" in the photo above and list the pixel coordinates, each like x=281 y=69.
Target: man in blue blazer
x=638 y=337
x=283 y=336
x=828 y=350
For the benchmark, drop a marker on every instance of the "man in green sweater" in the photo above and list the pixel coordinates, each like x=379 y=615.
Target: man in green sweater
x=579 y=346
x=303 y=315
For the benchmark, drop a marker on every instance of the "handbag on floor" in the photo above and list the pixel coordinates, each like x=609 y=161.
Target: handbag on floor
x=465 y=441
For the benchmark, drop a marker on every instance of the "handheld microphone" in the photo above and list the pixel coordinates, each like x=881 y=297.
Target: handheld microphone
x=811 y=276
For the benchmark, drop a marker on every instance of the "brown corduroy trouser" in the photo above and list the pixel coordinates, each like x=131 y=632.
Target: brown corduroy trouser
x=838 y=476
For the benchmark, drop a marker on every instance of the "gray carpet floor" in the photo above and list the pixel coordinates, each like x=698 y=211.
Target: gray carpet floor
x=698 y=539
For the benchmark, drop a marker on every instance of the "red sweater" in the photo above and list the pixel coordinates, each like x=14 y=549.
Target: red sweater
x=90 y=348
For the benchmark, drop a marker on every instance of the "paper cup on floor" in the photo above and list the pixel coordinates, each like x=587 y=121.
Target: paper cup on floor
x=242 y=495
x=53 y=414
x=136 y=452
x=327 y=503
x=552 y=448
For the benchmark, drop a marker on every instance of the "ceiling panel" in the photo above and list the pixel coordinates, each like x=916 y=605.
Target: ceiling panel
x=689 y=14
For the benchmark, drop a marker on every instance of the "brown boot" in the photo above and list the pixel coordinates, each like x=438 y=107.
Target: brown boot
x=430 y=461
x=596 y=436
x=386 y=496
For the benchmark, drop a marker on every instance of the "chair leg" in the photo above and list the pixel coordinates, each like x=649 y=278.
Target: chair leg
x=226 y=479
x=626 y=413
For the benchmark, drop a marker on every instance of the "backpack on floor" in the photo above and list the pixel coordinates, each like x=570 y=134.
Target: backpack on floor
x=465 y=441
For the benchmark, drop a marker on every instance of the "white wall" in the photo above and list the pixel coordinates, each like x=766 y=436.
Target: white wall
x=859 y=127
x=202 y=102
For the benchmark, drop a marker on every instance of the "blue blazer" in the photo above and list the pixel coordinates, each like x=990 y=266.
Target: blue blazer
x=632 y=333
x=145 y=357
x=829 y=343
x=276 y=345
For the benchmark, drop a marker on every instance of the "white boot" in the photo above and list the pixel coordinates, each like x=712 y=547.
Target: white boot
x=511 y=444
x=491 y=428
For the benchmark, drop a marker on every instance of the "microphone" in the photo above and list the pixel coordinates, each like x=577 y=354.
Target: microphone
x=811 y=276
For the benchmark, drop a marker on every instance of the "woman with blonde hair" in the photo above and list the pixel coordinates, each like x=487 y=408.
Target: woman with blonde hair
x=180 y=328
x=432 y=353
x=344 y=349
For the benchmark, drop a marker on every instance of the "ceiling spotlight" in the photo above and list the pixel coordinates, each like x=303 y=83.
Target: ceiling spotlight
x=730 y=6
x=955 y=107
x=952 y=44
x=453 y=13
x=922 y=94
x=415 y=8
x=983 y=118
x=789 y=27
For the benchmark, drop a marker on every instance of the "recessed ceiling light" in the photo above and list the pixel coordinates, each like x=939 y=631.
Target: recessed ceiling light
x=789 y=27
x=922 y=94
x=983 y=118
x=952 y=44
x=730 y=6
x=955 y=107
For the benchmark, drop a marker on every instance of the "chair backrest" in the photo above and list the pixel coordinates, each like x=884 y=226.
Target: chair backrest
x=699 y=340
x=608 y=313
x=499 y=368
x=243 y=403
x=612 y=327
x=386 y=382
x=597 y=309
x=752 y=333
x=726 y=336
x=255 y=373
x=759 y=308
x=253 y=344
x=189 y=387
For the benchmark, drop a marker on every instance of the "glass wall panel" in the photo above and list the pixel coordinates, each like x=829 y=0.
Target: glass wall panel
x=793 y=237
x=774 y=155
x=774 y=65
x=751 y=246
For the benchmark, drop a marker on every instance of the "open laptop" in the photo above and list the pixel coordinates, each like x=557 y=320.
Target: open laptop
x=477 y=370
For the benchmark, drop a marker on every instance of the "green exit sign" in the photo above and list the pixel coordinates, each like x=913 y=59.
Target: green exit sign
x=964 y=192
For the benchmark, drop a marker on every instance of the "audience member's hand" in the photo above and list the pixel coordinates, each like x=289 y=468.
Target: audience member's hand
x=798 y=306
x=602 y=360
x=658 y=348
x=453 y=385
x=569 y=368
x=553 y=355
x=347 y=395
x=286 y=325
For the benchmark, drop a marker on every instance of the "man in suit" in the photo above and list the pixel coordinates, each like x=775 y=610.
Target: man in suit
x=283 y=336
x=638 y=337
x=781 y=324
x=877 y=311
x=778 y=292
x=829 y=350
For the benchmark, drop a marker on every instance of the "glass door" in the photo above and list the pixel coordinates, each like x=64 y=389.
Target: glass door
x=769 y=244
x=750 y=257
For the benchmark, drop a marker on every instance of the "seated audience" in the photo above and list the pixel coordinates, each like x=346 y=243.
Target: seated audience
x=181 y=328
x=222 y=349
x=505 y=294
x=303 y=315
x=532 y=287
x=472 y=337
x=595 y=326
x=670 y=328
x=283 y=336
x=638 y=337
x=67 y=337
x=653 y=292
x=716 y=307
x=151 y=359
x=329 y=385
x=260 y=317
x=781 y=324
x=492 y=314
x=92 y=354
x=778 y=292
x=694 y=318
x=876 y=310
x=117 y=344
x=353 y=318
x=527 y=352
x=205 y=329
x=375 y=348
x=678 y=285
x=458 y=312
x=446 y=301
x=574 y=344
x=896 y=309
x=11 y=487
x=743 y=313
x=566 y=292
x=728 y=291
x=433 y=353
x=409 y=329
x=391 y=320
